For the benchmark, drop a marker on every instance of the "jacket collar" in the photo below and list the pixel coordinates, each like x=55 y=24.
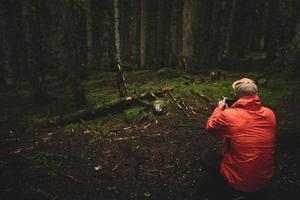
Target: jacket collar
x=251 y=102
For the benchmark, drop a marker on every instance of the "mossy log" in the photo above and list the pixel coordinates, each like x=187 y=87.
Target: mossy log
x=110 y=108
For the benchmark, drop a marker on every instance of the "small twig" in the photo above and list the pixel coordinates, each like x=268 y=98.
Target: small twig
x=64 y=174
x=95 y=139
x=72 y=177
x=154 y=135
x=147 y=125
x=206 y=99
x=119 y=164
x=192 y=110
x=178 y=105
x=168 y=167
x=122 y=129
x=123 y=138
x=187 y=107
x=134 y=137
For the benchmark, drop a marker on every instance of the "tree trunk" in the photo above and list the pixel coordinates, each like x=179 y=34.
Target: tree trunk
x=117 y=31
x=293 y=57
x=2 y=52
x=271 y=31
x=89 y=35
x=143 y=18
x=152 y=42
x=187 y=35
x=36 y=33
x=124 y=30
x=72 y=59
x=228 y=36
x=175 y=33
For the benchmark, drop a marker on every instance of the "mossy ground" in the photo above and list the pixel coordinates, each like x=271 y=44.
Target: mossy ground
x=161 y=155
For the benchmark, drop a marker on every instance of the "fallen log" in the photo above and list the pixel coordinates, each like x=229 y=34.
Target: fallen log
x=92 y=113
x=113 y=107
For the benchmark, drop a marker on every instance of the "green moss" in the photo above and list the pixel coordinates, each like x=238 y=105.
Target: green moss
x=214 y=91
x=178 y=84
x=70 y=128
x=277 y=91
x=132 y=114
x=147 y=87
x=163 y=71
x=95 y=82
x=102 y=96
x=96 y=95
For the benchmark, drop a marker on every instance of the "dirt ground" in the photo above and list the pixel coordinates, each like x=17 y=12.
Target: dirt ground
x=156 y=159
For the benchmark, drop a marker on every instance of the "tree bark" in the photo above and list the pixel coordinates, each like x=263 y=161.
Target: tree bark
x=89 y=35
x=293 y=57
x=117 y=31
x=228 y=36
x=92 y=113
x=2 y=52
x=143 y=27
x=271 y=31
x=187 y=35
x=72 y=59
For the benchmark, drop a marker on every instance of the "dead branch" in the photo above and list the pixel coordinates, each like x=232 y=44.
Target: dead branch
x=205 y=98
x=95 y=139
x=119 y=165
x=109 y=108
x=187 y=107
x=135 y=137
x=177 y=103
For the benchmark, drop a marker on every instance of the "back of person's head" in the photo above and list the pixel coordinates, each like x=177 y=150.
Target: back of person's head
x=244 y=87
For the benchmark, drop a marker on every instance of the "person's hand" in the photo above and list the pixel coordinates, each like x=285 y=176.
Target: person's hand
x=222 y=103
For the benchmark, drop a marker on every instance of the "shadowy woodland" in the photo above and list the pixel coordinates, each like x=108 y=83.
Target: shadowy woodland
x=108 y=99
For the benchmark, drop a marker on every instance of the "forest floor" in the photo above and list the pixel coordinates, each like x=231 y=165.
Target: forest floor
x=113 y=157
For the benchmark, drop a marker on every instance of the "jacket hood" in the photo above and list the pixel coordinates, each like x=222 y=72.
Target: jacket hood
x=250 y=102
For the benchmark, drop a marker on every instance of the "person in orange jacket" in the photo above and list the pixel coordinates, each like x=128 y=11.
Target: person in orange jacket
x=248 y=131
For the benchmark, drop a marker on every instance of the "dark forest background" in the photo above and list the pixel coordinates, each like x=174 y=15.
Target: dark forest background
x=68 y=38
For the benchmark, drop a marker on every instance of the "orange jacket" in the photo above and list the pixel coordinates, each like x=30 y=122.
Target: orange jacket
x=248 y=131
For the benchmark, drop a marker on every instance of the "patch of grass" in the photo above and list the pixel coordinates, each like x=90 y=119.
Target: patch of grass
x=277 y=91
x=98 y=94
x=214 y=91
x=95 y=82
x=131 y=114
x=70 y=128
x=148 y=86
x=101 y=96
x=178 y=84
x=163 y=71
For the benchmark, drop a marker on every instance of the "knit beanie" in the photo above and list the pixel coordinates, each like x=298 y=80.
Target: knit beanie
x=244 y=87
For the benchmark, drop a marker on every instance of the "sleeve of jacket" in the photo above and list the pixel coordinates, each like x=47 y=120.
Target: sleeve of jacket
x=217 y=123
